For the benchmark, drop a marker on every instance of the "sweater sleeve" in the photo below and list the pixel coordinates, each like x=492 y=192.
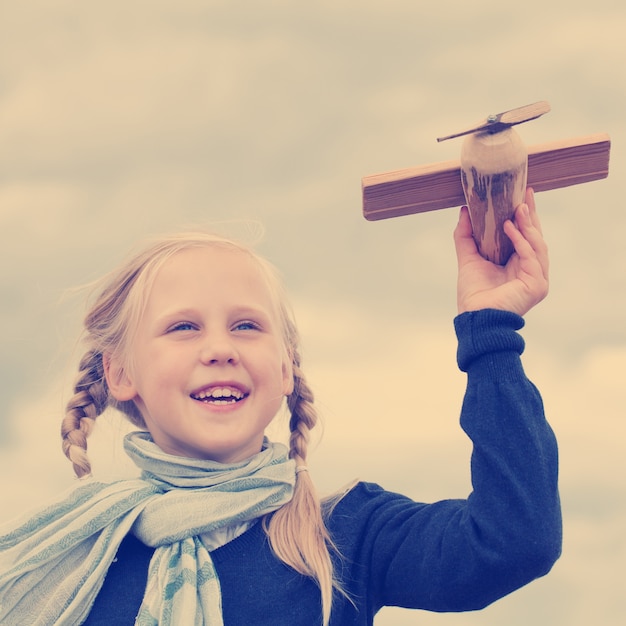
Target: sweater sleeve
x=459 y=555
x=513 y=515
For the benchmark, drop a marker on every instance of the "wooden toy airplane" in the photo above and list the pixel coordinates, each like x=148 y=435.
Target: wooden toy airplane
x=491 y=176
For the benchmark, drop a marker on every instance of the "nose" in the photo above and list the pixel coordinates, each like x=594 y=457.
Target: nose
x=219 y=350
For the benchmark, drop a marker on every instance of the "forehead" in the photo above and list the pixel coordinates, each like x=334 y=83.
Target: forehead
x=212 y=273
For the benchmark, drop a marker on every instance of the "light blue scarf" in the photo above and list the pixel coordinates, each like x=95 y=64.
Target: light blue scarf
x=53 y=564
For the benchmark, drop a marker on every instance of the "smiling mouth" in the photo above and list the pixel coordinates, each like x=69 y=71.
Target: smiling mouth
x=219 y=395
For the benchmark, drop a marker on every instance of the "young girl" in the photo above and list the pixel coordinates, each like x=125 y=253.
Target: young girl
x=194 y=342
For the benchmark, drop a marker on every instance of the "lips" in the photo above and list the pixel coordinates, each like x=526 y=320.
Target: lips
x=219 y=394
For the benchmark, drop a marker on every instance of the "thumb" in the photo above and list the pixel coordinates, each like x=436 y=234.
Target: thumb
x=463 y=237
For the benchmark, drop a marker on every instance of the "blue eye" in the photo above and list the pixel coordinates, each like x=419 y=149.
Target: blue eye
x=181 y=326
x=246 y=325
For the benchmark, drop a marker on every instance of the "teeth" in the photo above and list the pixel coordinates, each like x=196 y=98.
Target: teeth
x=224 y=394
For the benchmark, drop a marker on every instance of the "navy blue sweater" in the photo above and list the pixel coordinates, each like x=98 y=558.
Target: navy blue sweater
x=453 y=555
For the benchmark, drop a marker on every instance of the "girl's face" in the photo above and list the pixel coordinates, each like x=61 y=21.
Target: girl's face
x=209 y=366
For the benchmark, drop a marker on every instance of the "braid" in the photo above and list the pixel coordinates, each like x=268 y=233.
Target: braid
x=89 y=400
x=303 y=416
x=297 y=531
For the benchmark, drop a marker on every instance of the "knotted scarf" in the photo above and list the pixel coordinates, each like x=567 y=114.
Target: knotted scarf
x=53 y=563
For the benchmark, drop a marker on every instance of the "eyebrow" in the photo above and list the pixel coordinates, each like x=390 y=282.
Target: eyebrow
x=251 y=311
x=175 y=313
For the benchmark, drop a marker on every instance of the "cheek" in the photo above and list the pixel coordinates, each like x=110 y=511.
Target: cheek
x=154 y=375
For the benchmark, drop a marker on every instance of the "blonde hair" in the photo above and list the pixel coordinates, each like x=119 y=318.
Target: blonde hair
x=297 y=532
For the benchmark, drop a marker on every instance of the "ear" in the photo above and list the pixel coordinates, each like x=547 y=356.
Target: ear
x=118 y=382
x=288 y=382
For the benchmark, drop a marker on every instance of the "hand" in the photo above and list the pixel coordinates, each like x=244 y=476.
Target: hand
x=515 y=287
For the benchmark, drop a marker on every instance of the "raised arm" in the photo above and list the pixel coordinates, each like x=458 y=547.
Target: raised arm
x=459 y=555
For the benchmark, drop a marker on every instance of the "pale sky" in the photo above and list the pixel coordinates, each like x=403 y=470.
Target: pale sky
x=120 y=120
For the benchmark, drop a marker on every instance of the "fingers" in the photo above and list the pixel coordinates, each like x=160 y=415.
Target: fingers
x=531 y=265
x=530 y=202
x=518 y=230
x=531 y=242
